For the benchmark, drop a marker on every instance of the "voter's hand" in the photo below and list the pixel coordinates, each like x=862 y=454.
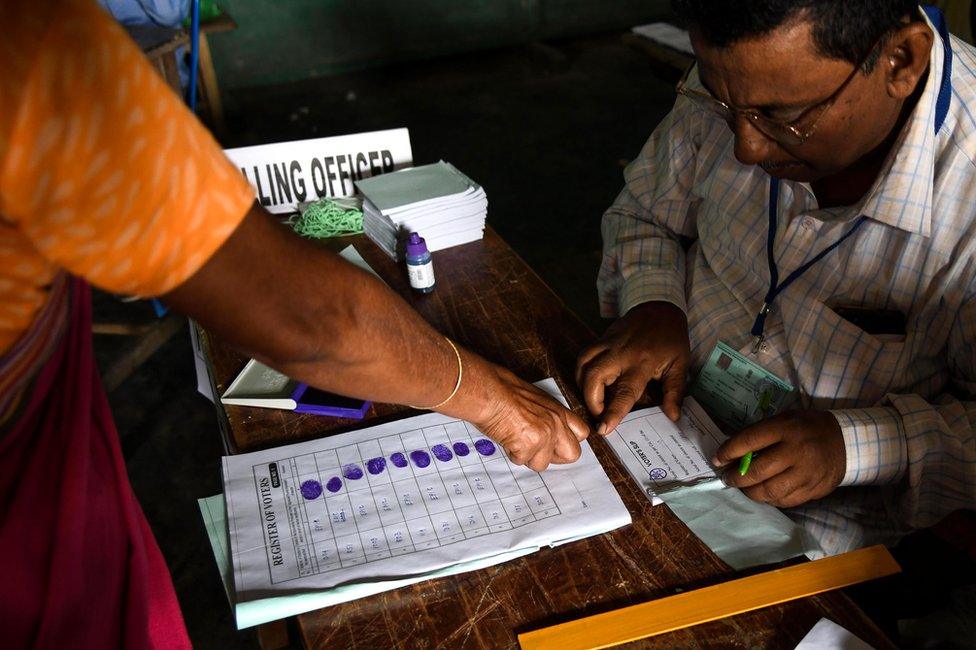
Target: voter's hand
x=533 y=428
x=650 y=343
x=799 y=456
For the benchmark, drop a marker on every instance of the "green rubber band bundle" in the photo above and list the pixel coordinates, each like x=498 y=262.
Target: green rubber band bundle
x=328 y=218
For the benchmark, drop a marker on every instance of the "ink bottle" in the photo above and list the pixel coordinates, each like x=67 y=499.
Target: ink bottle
x=420 y=268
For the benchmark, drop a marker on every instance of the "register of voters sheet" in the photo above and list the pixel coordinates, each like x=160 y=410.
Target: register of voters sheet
x=405 y=498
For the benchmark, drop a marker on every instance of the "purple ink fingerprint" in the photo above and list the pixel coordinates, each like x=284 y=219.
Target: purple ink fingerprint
x=376 y=465
x=311 y=490
x=352 y=472
x=398 y=459
x=461 y=449
x=484 y=446
x=420 y=458
x=442 y=453
x=334 y=484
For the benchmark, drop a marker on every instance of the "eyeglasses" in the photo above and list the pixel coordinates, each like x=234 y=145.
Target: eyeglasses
x=791 y=132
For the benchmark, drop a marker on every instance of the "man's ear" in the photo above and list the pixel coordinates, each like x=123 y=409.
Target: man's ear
x=906 y=58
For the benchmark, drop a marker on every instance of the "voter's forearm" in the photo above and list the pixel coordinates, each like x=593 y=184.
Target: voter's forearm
x=313 y=316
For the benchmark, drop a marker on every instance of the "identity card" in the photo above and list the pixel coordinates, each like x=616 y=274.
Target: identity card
x=737 y=390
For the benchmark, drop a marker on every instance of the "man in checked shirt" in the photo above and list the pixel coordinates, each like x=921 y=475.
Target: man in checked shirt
x=845 y=126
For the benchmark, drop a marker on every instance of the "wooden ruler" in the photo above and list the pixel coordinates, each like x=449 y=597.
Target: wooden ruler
x=711 y=603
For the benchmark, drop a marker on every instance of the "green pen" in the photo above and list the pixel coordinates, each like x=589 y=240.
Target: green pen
x=744 y=463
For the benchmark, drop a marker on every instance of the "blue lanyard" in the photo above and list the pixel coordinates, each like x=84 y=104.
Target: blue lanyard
x=775 y=286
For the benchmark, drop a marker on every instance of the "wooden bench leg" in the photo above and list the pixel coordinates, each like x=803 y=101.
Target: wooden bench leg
x=208 y=84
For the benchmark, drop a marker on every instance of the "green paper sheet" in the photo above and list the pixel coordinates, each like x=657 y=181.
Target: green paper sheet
x=413 y=185
x=743 y=532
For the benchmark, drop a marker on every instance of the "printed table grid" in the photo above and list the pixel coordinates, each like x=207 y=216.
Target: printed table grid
x=393 y=512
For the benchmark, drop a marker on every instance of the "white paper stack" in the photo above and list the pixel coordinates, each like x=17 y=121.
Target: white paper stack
x=446 y=207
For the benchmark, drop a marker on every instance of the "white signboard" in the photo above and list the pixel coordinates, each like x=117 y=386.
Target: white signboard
x=287 y=173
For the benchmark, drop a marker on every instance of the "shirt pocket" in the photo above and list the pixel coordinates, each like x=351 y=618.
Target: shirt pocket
x=843 y=366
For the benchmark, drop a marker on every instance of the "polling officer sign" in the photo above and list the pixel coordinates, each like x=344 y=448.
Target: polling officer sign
x=288 y=173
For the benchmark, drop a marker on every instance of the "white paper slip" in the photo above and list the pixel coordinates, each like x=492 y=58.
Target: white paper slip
x=400 y=499
x=350 y=254
x=661 y=455
x=827 y=635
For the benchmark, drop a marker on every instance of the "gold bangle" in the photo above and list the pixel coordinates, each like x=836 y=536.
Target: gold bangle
x=457 y=385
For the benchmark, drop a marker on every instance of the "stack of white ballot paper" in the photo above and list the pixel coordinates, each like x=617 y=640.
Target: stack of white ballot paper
x=446 y=207
x=323 y=522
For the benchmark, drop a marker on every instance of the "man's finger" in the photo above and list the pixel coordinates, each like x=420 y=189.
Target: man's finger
x=540 y=461
x=578 y=426
x=565 y=448
x=773 y=460
x=522 y=448
x=518 y=456
x=584 y=359
x=758 y=436
x=599 y=374
x=673 y=391
x=626 y=391
x=784 y=490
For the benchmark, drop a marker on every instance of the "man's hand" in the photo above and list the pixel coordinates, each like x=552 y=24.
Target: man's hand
x=649 y=343
x=800 y=458
x=534 y=429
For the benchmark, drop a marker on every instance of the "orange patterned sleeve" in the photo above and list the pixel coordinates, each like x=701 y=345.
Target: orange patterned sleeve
x=106 y=173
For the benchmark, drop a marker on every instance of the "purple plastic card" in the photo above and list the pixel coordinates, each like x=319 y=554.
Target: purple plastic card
x=319 y=402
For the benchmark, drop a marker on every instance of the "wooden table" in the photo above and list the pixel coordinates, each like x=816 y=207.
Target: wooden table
x=489 y=300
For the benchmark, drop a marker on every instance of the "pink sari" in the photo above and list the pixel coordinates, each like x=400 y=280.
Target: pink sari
x=78 y=563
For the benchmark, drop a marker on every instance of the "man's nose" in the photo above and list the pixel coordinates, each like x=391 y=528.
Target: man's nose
x=752 y=147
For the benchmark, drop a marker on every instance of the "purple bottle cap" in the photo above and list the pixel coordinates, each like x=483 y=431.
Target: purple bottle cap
x=416 y=245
